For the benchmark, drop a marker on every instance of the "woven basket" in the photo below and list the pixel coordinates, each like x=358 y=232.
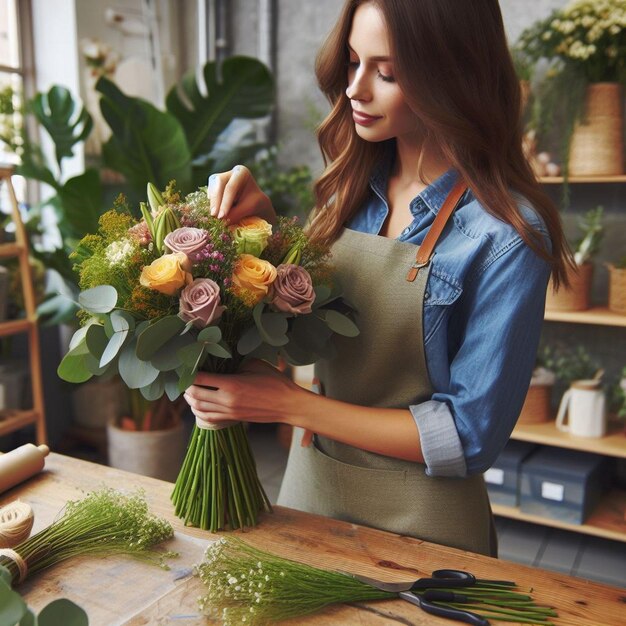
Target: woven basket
x=577 y=297
x=536 y=409
x=617 y=289
x=597 y=147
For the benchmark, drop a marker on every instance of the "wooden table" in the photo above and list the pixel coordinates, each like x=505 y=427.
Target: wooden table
x=117 y=590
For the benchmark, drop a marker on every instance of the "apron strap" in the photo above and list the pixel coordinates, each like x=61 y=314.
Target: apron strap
x=425 y=251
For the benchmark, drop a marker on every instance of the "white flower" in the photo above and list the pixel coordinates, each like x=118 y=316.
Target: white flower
x=118 y=251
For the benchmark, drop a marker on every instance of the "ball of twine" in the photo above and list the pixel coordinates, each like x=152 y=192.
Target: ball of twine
x=16 y=522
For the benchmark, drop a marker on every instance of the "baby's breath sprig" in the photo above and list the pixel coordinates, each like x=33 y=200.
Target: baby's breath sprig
x=247 y=585
x=105 y=522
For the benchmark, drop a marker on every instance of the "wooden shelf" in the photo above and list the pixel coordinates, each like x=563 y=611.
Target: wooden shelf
x=583 y=179
x=11 y=420
x=13 y=327
x=597 y=315
x=8 y=250
x=547 y=434
x=607 y=521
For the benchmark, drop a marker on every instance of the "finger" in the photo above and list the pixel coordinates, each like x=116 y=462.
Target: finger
x=232 y=190
x=250 y=204
x=215 y=191
x=208 y=380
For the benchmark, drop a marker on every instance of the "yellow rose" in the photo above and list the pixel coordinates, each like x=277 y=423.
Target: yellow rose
x=251 y=235
x=252 y=277
x=167 y=274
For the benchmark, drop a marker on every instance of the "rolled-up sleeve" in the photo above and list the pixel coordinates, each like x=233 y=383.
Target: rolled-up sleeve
x=464 y=428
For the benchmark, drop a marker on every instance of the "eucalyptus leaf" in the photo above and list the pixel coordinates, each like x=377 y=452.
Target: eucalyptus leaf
x=219 y=350
x=29 y=619
x=101 y=299
x=78 y=337
x=171 y=386
x=341 y=324
x=12 y=607
x=135 y=372
x=122 y=324
x=322 y=293
x=274 y=327
x=154 y=390
x=157 y=334
x=62 y=611
x=192 y=357
x=210 y=334
x=96 y=340
x=73 y=368
x=249 y=341
x=166 y=358
x=5 y=575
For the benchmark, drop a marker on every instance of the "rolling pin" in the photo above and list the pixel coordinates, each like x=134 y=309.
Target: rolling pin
x=20 y=464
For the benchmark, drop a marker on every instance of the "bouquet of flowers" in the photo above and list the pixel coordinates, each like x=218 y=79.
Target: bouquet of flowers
x=179 y=291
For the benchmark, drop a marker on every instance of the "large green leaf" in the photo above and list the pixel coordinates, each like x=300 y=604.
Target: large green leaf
x=62 y=611
x=81 y=205
x=100 y=299
x=75 y=366
x=157 y=335
x=12 y=607
x=147 y=145
x=242 y=87
x=134 y=372
x=65 y=119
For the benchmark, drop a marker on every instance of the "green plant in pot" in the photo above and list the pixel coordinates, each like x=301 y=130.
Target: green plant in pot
x=581 y=49
x=577 y=297
x=569 y=363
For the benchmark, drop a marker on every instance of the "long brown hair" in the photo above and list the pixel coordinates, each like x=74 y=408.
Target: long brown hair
x=453 y=65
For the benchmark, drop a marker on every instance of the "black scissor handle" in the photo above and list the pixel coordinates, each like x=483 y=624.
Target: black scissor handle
x=447 y=578
x=444 y=611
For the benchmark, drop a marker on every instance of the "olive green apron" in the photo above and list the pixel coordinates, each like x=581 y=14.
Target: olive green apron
x=385 y=366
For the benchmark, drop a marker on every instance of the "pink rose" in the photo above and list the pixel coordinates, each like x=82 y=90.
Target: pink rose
x=200 y=302
x=187 y=240
x=292 y=291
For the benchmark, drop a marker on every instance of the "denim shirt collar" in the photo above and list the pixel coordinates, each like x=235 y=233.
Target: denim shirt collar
x=432 y=197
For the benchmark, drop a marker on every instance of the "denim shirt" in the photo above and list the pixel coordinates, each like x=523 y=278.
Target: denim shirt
x=483 y=312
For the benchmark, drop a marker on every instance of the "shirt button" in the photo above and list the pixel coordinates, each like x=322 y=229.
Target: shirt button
x=426 y=296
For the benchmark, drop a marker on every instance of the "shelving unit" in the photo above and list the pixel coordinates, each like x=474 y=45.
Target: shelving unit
x=599 y=316
x=12 y=420
x=583 y=179
x=608 y=520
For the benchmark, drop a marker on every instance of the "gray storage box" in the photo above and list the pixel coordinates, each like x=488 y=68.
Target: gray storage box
x=562 y=484
x=503 y=477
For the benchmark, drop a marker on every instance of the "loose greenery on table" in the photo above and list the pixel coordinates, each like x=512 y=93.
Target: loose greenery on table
x=247 y=585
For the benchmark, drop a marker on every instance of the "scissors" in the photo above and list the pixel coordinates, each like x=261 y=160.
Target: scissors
x=435 y=590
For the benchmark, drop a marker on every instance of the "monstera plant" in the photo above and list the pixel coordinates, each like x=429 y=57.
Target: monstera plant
x=196 y=135
x=199 y=132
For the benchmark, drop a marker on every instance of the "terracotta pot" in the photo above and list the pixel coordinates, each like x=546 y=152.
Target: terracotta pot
x=156 y=453
x=577 y=297
x=597 y=147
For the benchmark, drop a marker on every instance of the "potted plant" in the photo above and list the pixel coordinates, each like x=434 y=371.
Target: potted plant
x=577 y=297
x=150 y=438
x=584 y=44
x=617 y=286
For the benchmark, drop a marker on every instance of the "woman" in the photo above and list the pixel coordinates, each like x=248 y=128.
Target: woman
x=444 y=242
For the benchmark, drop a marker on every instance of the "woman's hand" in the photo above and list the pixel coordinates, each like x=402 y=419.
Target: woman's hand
x=235 y=195
x=257 y=393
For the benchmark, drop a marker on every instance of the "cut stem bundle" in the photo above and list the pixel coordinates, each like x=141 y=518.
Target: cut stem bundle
x=218 y=486
x=105 y=522
x=244 y=584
